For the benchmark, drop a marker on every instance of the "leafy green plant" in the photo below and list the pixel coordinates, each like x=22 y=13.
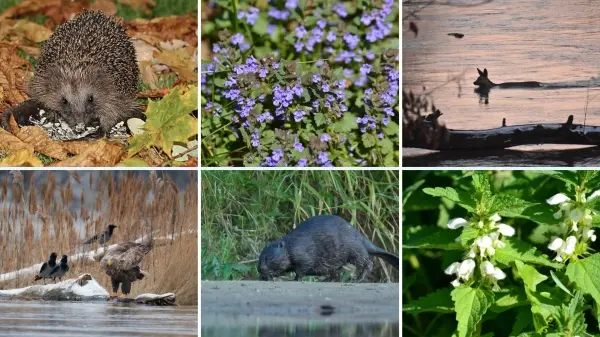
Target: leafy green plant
x=517 y=248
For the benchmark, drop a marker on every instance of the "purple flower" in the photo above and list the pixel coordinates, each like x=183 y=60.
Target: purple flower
x=278 y=15
x=361 y=81
x=262 y=73
x=244 y=46
x=323 y=158
x=339 y=9
x=276 y=65
x=255 y=139
x=299 y=45
x=331 y=36
x=366 y=18
x=325 y=138
x=302 y=162
x=370 y=55
x=351 y=40
x=237 y=39
x=322 y=24
x=274 y=158
x=291 y=4
x=300 y=31
x=216 y=48
x=368 y=92
x=316 y=78
x=298 y=146
x=380 y=135
x=298 y=116
x=271 y=28
x=325 y=87
x=365 y=69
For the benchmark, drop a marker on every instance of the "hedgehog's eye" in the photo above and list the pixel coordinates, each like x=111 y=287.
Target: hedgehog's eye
x=91 y=99
x=64 y=101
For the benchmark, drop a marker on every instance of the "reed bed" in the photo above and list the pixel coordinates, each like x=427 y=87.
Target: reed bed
x=242 y=210
x=41 y=218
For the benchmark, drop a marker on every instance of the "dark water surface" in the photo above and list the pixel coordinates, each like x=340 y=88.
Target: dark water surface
x=34 y=318
x=554 y=42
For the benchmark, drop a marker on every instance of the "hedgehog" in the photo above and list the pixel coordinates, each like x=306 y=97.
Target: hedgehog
x=87 y=72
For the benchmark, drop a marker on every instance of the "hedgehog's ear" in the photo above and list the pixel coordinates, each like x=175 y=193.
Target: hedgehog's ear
x=485 y=72
x=479 y=71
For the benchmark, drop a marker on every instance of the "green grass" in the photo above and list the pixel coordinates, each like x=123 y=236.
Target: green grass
x=242 y=210
x=162 y=8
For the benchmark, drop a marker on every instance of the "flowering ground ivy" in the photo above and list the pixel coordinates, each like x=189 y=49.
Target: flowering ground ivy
x=288 y=84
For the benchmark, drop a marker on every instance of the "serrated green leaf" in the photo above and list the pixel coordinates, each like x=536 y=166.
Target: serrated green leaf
x=568 y=177
x=585 y=273
x=481 y=183
x=439 y=301
x=369 y=140
x=531 y=277
x=507 y=204
x=468 y=235
x=431 y=237
x=559 y=283
x=508 y=298
x=516 y=250
x=523 y=320
x=320 y=119
x=386 y=146
x=462 y=198
x=470 y=305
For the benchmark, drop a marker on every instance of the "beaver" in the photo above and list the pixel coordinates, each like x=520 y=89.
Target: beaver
x=321 y=246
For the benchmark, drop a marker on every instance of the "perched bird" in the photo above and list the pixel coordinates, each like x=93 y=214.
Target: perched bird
x=121 y=264
x=46 y=268
x=60 y=269
x=103 y=237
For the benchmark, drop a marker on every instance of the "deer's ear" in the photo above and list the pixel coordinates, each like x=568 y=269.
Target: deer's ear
x=479 y=71
x=485 y=72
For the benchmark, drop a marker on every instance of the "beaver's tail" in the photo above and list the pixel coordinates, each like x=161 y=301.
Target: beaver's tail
x=379 y=252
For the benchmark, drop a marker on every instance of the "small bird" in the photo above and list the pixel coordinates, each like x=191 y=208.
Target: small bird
x=46 y=268
x=60 y=269
x=103 y=237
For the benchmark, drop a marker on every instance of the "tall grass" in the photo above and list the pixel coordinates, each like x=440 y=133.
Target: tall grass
x=241 y=210
x=35 y=222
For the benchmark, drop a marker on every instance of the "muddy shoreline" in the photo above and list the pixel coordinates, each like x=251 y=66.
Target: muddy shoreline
x=289 y=302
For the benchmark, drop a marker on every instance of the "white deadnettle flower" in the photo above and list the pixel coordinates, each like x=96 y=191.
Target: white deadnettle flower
x=571 y=242
x=496 y=243
x=484 y=243
x=574 y=226
x=589 y=235
x=495 y=218
x=480 y=224
x=557 y=199
x=464 y=271
x=557 y=215
x=487 y=268
x=506 y=230
x=457 y=223
x=594 y=195
x=576 y=215
x=555 y=244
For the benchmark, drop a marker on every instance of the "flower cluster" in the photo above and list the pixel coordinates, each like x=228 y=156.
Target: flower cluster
x=481 y=251
x=576 y=225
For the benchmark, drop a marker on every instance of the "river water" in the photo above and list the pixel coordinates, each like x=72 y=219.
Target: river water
x=36 y=319
x=549 y=41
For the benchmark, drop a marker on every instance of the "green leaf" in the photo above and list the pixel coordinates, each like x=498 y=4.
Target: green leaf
x=522 y=321
x=168 y=121
x=439 y=301
x=531 y=277
x=481 y=182
x=431 y=237
x=517 y=250
x=346 y=124
x=470 y=305
x=586 y=274
x=320 y=119
x=408 y=191
x=507 y=204
x=568 y=177
x=369 y=140
x=386 y=146
x=559 y=283
x=511 y=297
x=463 y=198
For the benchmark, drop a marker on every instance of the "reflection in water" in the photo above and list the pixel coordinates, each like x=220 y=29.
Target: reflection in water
x=317 y=330
x=19 y=318
x=553 y=42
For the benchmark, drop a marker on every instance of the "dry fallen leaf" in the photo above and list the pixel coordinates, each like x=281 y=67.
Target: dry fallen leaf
x=21 y=158
x=107 y=6
x=165 y=28
x=143 y=5
x=43 y=144
x=32 y=31
x=11 y=143
x=148 y=75
x=100 y=153
x=180 y=62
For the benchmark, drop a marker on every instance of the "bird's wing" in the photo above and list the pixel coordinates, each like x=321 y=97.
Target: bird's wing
x=55 y=269
x=124 y=256
x=43 y=267
x=90 y=240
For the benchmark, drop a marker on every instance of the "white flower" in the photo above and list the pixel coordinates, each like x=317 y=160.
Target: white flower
x=487 y=268
x=506 y=230
x=555 y=244
x=557 y=215
x=570 y=245
x=558 y=199
x=452 y=269
x=471 y=253
x=484 y=243
x=465 y=271
x=480 y=224
x=495 y=217
x=455 y=283
x=589 y=235
x=576 y=215
x=574 y=227
x=594 y=195
x=457 y=223
x=498 y=274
